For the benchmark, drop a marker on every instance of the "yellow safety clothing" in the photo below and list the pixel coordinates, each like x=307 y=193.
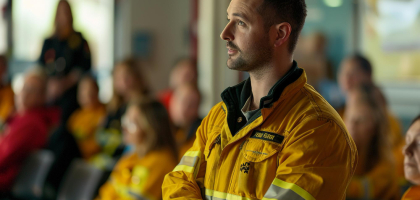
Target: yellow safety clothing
x=295 y=146
x=138 y=178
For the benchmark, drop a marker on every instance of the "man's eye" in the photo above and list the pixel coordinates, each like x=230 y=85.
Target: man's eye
x=241 y=23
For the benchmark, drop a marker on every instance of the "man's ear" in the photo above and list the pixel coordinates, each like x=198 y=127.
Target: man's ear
x=283 y=31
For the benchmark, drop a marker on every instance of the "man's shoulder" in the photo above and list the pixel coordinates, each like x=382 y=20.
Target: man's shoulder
x=316 y=107
x=217 y=111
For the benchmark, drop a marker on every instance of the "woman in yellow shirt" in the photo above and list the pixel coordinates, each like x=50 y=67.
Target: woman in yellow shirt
x=84 y=121
x=146 y=126
x=367 y=123
x=412 y=160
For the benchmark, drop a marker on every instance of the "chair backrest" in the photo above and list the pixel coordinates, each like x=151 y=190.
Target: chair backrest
x=30 y=181
x=80 y=182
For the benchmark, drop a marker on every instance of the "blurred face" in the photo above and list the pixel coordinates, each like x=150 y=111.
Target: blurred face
x=123 y=81
x=360 y=123
x=183 y=73
x=351 y=76
x=184 y=106
x=87 y=93
x=132 y=132
x=63 y=22
x=247 y=39
x=54 y=88
x=32 y=94
x=412 y=154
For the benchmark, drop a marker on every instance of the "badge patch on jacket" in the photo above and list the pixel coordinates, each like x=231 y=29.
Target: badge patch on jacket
x=272 y=137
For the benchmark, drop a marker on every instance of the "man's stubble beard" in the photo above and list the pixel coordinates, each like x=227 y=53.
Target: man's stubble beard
x=253 y=61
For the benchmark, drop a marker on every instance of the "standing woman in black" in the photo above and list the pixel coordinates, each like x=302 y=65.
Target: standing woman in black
x=65 y=56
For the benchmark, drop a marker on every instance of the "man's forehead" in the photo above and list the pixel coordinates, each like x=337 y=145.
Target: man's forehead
x=243 y=5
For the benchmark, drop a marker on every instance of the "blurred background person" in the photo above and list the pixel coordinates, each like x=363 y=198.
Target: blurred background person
x=412 y=160
x=312 y=56
x=65 y=56
x=6 y=92
x=184 y=105
x=140 y=174
x=84 y=121
x=184 y=72
x=366 y=121
x=27 y=131
x=355 y=71
x=128 y=84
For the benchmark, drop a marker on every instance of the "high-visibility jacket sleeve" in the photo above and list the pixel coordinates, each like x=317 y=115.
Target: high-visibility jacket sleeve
x=181 y=182
x=317 y=161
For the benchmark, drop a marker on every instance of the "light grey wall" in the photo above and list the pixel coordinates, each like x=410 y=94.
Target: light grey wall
x=168 y=22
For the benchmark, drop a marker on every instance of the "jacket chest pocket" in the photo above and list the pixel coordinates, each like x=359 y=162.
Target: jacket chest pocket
x=256 y=167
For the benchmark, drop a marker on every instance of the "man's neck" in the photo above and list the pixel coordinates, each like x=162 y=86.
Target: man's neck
x=262 y=81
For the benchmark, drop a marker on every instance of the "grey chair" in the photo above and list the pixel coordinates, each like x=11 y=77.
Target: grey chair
x=80 y=182
x=29 y=183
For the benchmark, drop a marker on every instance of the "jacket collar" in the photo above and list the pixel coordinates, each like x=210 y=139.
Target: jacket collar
x=236 y=96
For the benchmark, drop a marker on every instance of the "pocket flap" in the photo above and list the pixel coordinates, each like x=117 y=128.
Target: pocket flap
x=262 y=145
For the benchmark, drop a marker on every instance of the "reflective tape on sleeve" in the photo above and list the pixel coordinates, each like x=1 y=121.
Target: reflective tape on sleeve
x=190 y=162
x=280 y=190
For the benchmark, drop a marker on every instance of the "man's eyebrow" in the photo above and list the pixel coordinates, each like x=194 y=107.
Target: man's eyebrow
x=239 y=15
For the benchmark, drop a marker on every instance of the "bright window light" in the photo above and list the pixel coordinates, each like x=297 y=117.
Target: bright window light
x=3 y=29
x=333 y=3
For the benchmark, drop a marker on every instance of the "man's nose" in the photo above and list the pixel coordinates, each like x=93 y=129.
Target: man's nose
x=227 y=33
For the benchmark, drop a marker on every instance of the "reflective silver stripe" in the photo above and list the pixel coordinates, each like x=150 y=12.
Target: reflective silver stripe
x=366 y=187
x=216 y=195
x=189 y=161
x=213 y=198
x=276 y=192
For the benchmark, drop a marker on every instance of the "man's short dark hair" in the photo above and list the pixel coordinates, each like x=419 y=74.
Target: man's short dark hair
x=291 y=11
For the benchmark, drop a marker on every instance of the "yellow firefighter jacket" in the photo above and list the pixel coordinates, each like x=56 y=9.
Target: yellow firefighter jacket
x=294 y=147
x=138 y=178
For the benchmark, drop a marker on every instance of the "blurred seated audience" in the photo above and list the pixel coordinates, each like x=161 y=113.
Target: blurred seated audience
x=412 y=160
x=84 y=121
x=312 y=56
x=129 y=84
x=184 y=105
x=365 y=118
x=6 y=93
x=65 y=56
x=139 y=175
x=184 y=72
x=26 y=131
x=356 y=70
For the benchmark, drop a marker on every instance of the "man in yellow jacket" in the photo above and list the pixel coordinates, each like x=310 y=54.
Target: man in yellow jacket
x=273 y=136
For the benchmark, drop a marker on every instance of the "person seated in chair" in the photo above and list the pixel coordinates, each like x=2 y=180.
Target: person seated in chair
x=26 y=131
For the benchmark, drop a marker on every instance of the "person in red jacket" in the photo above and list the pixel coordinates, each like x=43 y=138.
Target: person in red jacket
x=27 y=130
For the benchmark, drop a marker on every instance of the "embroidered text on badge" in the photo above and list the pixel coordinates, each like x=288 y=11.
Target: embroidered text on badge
x=272 y=137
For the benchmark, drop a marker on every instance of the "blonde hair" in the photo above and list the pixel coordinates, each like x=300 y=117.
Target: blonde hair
x=155 y=122
x=380 y=147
